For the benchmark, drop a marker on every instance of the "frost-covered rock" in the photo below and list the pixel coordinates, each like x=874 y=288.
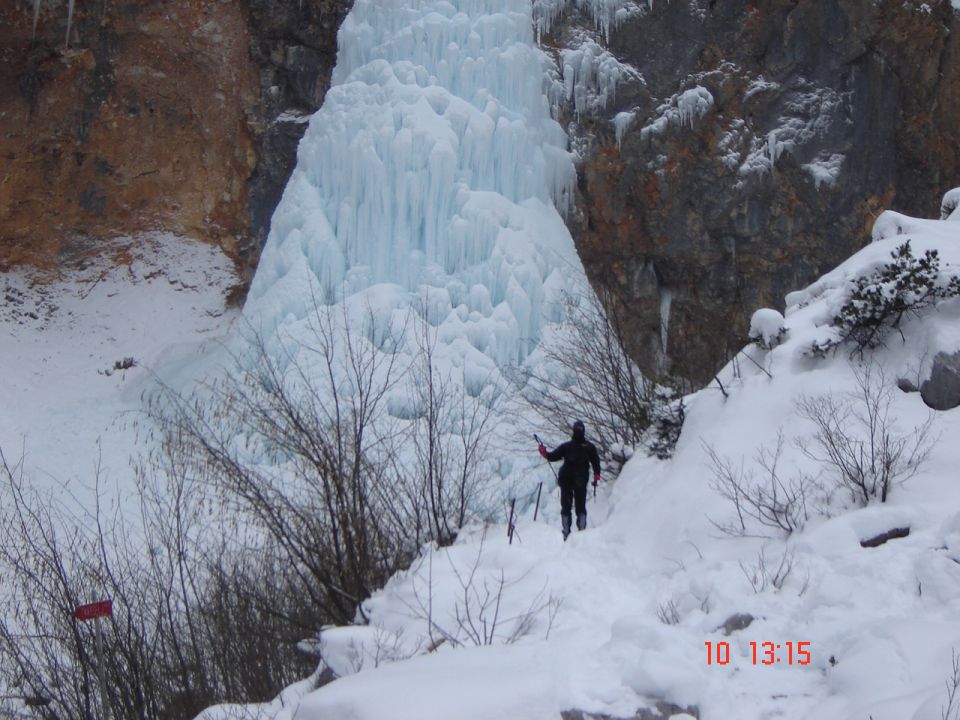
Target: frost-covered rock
x=737 y=622
x=590 y=75
x=786 y=158
x=942 y=390
x=949 y=204
x=682 y=110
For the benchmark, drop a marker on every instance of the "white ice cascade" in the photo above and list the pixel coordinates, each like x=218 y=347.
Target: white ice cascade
x=430 y=176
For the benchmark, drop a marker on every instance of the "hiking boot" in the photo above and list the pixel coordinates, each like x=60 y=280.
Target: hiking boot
x=581 y=522
x=565 y=521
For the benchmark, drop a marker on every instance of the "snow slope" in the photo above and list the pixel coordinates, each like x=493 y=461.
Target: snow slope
x=157 y=299
x=616 y=618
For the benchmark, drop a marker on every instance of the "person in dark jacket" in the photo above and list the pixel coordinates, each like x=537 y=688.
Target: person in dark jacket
x=578 y=454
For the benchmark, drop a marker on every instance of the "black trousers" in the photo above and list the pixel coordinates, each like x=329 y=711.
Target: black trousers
x=570 y=493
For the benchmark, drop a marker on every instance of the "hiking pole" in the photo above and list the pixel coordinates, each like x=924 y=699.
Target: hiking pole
x=536 y=509
x=513 y=502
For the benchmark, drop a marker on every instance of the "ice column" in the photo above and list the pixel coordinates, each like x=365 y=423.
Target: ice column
x=432 y=171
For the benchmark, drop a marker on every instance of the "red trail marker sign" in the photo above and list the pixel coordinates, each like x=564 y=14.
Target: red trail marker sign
x=92 y=611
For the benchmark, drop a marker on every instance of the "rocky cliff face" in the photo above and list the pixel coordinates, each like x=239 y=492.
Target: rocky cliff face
x=747 y=147
x=731 y=150
x=180 y=115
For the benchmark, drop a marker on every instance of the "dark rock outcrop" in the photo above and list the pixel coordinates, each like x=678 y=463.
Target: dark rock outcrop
x=942 y=390
x=884 y=537
x=736 y=622
x=822 y=115
x=294 y=48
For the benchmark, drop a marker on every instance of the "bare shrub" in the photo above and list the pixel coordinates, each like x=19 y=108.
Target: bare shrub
x=769 y=500
x=857 y=438
x=761 y=575
x=276 y=499
x=588 y=375
x=951 y=711
x=302 y=444
x=179 y=638
x=477 y=616
x=450 y=438
x=668 y=613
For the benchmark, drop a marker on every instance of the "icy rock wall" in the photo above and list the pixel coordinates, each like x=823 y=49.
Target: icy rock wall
x=749 y=149
x=431 y=175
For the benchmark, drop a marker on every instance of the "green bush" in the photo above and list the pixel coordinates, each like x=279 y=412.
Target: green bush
x=879 y=301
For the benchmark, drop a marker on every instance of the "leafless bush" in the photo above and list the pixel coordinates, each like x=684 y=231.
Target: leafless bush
x=857 y=438
x=276 y=499
x=762 y=576
x=477 y=614
x=771 y=500
x=300 y=442
x=668 y=613
x=179 y=638
x=952 y=709
x=590 y=376
x=450 y=438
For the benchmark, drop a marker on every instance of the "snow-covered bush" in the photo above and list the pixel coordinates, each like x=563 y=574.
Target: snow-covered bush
x=767 y=328
x=667 y=422
x=879 y=301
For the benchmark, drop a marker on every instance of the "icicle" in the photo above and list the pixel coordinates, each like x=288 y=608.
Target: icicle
x=69 y=22
x=621 y=122
x=36 y=16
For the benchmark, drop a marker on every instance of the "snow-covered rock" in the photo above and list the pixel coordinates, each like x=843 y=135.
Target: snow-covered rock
x=767 y=328
x=942 y=390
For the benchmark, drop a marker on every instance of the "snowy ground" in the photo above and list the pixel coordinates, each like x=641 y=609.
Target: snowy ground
x=156 y=299
x=618 y=617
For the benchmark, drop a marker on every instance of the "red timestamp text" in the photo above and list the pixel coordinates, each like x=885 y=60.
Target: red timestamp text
x=762 y=653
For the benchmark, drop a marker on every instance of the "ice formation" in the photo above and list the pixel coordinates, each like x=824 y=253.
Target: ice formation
x=683 y=109
x=825 y=170
x=430 y=179
x=621 y=123
x=607 y=15
x=590 y=75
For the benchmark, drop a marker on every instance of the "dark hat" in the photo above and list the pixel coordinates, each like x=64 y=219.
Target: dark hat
x=578 y=425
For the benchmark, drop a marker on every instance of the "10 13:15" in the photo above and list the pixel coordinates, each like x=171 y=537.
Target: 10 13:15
x=762 y=653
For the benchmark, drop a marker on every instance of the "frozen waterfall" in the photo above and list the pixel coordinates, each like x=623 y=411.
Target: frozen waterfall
x=430 y=179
